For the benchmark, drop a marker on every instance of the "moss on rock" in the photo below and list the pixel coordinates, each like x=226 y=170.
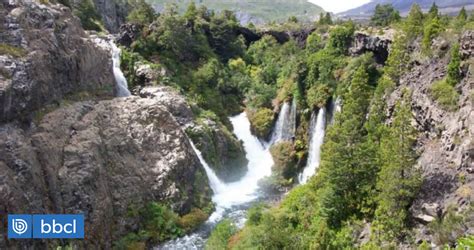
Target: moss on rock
x=262 y=122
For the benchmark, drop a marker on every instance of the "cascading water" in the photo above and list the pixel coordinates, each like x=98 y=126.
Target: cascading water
x=317 y=131
x=234 y=198
x=121 y=81
x=285 y=126
x=335 y=108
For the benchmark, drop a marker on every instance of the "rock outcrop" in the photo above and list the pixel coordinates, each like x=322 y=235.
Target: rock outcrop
x=363 y=43
x=101 y=159
x=50 y=57
x=221 y=149
x=445 y=142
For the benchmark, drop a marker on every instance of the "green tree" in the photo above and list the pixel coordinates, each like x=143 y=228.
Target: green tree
x=142 y=13
x=432 y=29
x=343 y=170
x=90 y=18
x=397 y=61
x=413 y=26
x=385 y=15
x=398 y=180
x=454 y=74
x=433 y=12
x=461 y=19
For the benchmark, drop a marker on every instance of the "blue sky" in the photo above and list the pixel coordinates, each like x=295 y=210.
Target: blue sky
x=337 y=6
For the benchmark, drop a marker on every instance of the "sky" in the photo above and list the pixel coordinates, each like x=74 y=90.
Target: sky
x=337 y=6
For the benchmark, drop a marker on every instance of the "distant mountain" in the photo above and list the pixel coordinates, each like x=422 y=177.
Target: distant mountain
x=446 y=6
x=261 y=11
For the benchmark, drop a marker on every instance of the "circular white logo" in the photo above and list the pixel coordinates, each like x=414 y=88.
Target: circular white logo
x=19 y=226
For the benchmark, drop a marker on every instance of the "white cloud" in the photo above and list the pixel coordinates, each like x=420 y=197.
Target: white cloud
x=337 y=6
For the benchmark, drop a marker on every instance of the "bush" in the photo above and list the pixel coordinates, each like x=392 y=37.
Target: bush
x=88 y=15
x=262 y=122
x=192 y=220
x=385 y=14
x=445 y=95
x=220 y=235
x=284 y=155
x=318 y=95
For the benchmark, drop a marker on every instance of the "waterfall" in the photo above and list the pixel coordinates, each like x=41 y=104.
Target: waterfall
x=216 y=184
x=231 y=199
x=285 y=127
x=121 y=81
x=335 y=108
x=316 y=133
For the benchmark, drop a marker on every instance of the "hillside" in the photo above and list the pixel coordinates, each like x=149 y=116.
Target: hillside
x=254 y=11
x=446 y=6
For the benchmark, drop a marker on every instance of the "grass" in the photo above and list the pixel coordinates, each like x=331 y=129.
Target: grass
x=445 y=95
x=6 y=49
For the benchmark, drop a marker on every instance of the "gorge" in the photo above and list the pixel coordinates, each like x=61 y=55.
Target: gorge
x=188 y=130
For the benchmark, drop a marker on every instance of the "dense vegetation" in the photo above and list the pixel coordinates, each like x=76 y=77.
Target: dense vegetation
x=367 y=176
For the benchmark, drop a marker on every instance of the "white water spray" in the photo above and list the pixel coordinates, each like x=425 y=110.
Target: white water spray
x=317 y=131
x=121 y=81
x=285 y=127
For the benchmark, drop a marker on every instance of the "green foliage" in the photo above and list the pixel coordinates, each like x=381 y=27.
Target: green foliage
x=284 y=157
x=192 y=220
x=445 y=94
x=432 y=29
x=340 y=37
x=90 y=18
x=454 y=73
x=433 y=12
x=160 y=222
x=325 y=19
x=221 y=235
x=385 y=14
x=413 y=26
x=6 y=49
x=465 y=243
x=142 y=13
x=448 y=228
x=262 y=122
x=314 y=43
x=398 y=58
x=398 y=180
x=318 y=95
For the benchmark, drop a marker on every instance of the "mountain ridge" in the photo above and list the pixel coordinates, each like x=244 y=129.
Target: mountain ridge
x=251 y=11
x=446 y=6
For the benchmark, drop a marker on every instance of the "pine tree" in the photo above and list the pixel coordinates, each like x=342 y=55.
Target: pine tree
x=432 y=29
x=434 y=11
x=343 y=165
x=454 y=74
x=398 y=180
x=462 y=14
x=414 y=22
x=397 y=61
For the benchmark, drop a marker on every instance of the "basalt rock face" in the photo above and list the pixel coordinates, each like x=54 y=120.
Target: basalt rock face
x=363 y=43
x=101 y=159
x=221 y=149
x=445 y=143
x=55 y=58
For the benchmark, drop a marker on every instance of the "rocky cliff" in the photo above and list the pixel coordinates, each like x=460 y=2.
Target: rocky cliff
x=45 y=56
x=445 y=142
x=66 y=146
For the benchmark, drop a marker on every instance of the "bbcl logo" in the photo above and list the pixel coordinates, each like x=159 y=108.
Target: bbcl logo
x=51 y=226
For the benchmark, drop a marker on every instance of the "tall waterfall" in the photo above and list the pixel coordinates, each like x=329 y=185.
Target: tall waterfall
x=285 y=127
x=121 y=81
x=335 y=108
x=316 y=133
x=231 y=199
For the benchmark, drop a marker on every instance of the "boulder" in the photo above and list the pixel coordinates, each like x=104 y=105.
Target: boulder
x=363 y=43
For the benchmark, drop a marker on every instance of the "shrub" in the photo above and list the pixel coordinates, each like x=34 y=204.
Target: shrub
x=318 y=95
x=284 y=155
x=445 y=95
x=192 y=220
x=220 y=235
x=454 y=75
x=160 y=223
x=88 y=15
x=262 y=122
x=385 y=14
